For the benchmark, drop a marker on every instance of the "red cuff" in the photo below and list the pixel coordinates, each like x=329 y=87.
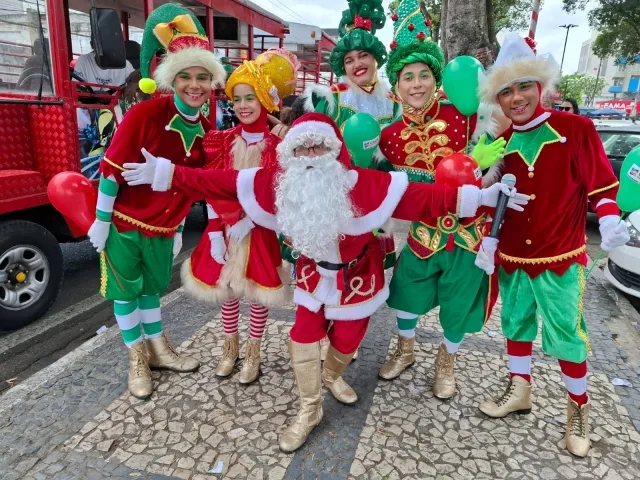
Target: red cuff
x=610 y=208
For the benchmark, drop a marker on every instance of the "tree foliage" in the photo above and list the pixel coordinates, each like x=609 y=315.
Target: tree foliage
x=618 y=24
x=509 y=14
x=578 y=85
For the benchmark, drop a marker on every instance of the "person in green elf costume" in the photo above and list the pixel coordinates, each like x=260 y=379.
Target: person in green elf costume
x=436 y=267
x=138 y=231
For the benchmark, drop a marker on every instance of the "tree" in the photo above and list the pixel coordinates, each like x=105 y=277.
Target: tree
x=464 y=27
x=618 y=24
x=578 y=85
x=509 y=14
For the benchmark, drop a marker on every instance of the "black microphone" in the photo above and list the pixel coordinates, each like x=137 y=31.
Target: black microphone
x=501 y=207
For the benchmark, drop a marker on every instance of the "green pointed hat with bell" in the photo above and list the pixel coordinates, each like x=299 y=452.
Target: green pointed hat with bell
x=177 y=32
x=412 y=41
x=357 y=30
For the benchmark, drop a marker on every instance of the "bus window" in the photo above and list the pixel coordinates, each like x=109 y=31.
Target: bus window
x=25 y=56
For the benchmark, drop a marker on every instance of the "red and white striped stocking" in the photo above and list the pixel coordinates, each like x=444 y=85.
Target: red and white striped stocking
x=520 y=359
x=258 y=320
x=230 y=316
x=574 y=376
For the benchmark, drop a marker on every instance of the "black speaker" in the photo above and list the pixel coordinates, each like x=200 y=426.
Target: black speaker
x=107 y=38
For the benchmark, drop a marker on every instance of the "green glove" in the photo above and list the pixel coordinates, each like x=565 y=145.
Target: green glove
x=486 y=154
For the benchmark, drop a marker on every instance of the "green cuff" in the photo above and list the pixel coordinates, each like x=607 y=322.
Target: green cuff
x=103 y=216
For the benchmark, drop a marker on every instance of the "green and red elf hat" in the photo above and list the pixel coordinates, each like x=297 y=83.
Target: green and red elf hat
x=176 y=31
x=357 y=30
x=412 y=42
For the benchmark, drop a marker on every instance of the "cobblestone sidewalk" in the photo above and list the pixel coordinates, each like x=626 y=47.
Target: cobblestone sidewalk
x=75 y=419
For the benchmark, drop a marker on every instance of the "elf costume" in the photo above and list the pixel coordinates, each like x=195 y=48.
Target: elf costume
x=249 y=263
x=558 y=160
x=436 y=267
x=346 y=284
x=138 y=231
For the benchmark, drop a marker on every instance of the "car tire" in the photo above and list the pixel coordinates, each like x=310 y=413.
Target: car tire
x=31 y=251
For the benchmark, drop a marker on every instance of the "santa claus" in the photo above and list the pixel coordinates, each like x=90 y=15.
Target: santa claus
x=328 y=209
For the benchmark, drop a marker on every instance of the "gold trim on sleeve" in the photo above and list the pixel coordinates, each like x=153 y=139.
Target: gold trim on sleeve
x=603 y=189
x=119 y=167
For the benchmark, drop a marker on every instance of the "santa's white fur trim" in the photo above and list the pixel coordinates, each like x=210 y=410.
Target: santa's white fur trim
x=357 y=311
x=247 y=198
x=320 y=133
x=500 y=77
x=163 y=175
x=379 y=216
x=174 y=62
x=320 y=91
x=300 y=297
x=201 y=291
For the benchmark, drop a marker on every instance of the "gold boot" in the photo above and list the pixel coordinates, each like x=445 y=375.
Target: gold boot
x=444 y=381
x=140 y=382
x=516 y=399
x=332 y=371
x=305 y=358
x=401 y=359
x=251 y=364
x=163 y=356
x=324 y=348
x=576 y=435
x=229 y=356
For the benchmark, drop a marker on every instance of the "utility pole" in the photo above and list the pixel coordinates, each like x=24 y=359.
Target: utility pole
x=568 y=27
x=595 y=87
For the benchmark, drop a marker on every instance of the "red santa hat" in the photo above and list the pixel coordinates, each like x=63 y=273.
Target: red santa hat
x=315 y=129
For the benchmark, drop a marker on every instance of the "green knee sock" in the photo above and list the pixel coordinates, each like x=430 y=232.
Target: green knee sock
x=128 y=317
x=150 y=312
x=407 y=327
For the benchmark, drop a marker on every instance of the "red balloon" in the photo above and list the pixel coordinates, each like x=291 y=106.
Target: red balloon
x=74 y=196
x=458 y=169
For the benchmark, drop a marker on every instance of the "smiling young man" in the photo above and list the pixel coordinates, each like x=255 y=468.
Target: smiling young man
x=558 y=160
x=436 y=267
x=138 y=231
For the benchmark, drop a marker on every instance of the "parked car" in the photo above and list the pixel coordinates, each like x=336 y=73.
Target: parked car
x=619 y=139
x=623 y=267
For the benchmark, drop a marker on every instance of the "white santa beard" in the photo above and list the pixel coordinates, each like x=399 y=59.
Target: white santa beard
x=313 y=204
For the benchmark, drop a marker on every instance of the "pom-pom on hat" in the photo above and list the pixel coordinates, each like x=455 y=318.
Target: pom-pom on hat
x=175 y=30
x=412 y=42
x=357 y=30
x=517 y=63
x=272 y=75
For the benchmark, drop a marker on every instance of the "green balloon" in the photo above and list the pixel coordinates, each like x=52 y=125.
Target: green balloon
x=361 y=136
x=629 y=193
x=460 y=81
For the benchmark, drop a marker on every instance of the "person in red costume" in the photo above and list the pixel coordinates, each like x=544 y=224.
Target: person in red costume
x=542 y=252
x=329 y=209
x=236 y=258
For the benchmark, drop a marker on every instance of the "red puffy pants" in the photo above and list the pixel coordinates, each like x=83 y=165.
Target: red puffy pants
x=345 y=335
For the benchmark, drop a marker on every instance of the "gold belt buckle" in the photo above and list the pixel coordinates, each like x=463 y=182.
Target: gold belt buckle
x=352 y=263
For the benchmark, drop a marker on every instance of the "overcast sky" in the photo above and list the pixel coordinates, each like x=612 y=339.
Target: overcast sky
x=549 y=36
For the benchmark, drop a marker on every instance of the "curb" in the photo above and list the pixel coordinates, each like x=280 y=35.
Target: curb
x=18 y=393
x=78 y=320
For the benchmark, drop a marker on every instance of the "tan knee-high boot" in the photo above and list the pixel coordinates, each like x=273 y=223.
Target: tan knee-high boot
x=305 y=358
x=334 y=366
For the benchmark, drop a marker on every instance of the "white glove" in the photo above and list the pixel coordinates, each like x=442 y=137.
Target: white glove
x=218 y=247
x=98 y=234
x=156 y=171
x=485 y=259
x=177 y=244
x=240 y=229
x=614 y=232
x=489 y=196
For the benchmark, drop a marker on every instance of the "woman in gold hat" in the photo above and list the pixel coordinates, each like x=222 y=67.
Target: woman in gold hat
x=235 y=258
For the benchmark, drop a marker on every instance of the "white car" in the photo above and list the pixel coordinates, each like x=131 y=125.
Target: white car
x=623 y=267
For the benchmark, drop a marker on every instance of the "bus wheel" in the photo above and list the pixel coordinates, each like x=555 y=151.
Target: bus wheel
x=31 y=270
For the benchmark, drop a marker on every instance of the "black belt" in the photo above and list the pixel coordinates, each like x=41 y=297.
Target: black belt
x=335 y=267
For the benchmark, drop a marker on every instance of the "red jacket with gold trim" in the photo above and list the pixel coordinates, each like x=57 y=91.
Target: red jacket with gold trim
x=560 y=162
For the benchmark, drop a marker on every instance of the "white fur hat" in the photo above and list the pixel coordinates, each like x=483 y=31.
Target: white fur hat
x=516 y=63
